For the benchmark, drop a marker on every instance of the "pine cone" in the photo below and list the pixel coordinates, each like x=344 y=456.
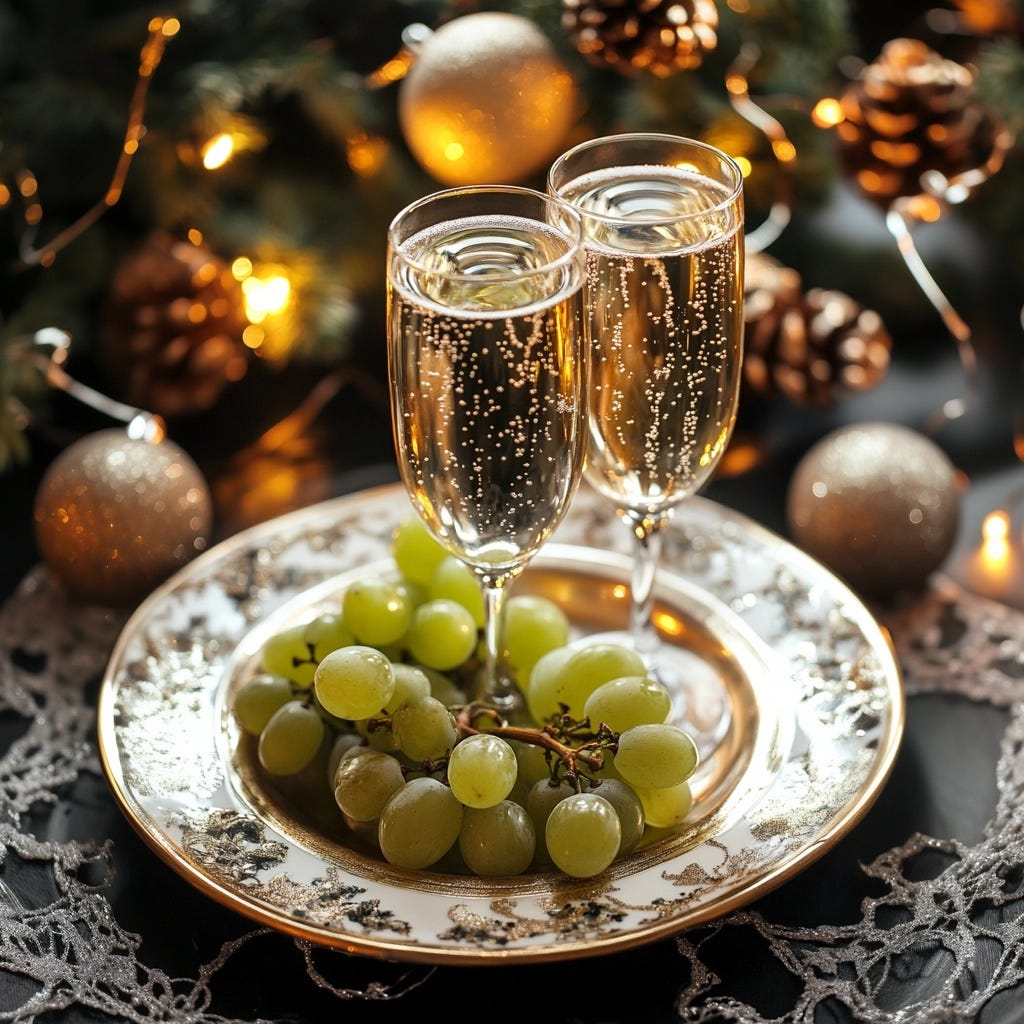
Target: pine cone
x=659 y=37
x=910 y=113
x=171 y=334
x=812 y=348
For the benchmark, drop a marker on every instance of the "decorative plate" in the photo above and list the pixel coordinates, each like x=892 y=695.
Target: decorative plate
x=813 y=707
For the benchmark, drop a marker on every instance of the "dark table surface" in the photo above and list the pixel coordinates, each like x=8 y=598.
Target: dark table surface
x=348 y=447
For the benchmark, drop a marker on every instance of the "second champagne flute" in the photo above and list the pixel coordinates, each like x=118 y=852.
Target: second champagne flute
x=488 y=380
x=663 y=227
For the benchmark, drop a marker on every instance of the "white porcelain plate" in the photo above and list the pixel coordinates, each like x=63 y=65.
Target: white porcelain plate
x=813 y=701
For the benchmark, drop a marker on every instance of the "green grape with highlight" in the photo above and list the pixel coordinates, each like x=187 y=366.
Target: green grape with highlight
x=291 y=738
x=534 y=626
x=668 y=807
x=424 y=729
x=354 y=682
x=442 y=635
x=258 y=698
x=655 y=756
x=482 y=770
x=627 y=701
x=497 y=840
x=377 y=610
x=419 y=824
x=415 y=551
x=455 y=581
x=578 y=676
x=583 y=835
x=364 y=783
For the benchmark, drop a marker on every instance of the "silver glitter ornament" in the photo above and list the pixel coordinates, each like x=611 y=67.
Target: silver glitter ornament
x=878 y=503
x=115 y=515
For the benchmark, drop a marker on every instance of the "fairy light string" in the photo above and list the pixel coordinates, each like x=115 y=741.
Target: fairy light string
x=161 y=31
x=737 y=84
x=939 y=193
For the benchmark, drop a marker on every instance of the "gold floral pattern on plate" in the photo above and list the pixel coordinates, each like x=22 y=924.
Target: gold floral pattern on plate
x=815 y=717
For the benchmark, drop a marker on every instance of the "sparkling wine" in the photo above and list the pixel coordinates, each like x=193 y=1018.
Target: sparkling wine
x=488 y=383
x=664 y=297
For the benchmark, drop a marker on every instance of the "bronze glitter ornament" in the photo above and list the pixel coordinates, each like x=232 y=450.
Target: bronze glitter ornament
x=912 y=113
x=116 y=515
x=487 y=99
x=878 y=503
x=171 y=335
x=657 y=37
x=813 y=348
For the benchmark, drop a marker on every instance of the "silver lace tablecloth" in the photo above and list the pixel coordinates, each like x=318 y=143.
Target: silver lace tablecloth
x=942 y=944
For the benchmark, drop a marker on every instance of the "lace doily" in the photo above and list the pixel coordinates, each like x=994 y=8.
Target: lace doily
x=72 y=952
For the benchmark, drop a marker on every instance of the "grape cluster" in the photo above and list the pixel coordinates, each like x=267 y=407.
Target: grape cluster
x=381 y=690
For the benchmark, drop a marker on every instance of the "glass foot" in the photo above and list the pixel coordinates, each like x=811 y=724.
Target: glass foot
x=700 y=703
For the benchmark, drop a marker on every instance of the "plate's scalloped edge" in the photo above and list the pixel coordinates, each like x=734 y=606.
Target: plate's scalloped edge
x=589 y=918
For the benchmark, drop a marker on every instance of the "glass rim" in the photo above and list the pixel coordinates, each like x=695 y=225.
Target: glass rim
x=573 y=254
x=735 y=192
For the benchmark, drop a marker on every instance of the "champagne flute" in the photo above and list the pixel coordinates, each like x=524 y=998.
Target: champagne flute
x=663 y=227
x=488 y=374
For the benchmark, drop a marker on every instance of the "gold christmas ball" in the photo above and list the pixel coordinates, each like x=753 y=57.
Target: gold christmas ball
x=487 y=100
x=878 y=503
x=116 y=515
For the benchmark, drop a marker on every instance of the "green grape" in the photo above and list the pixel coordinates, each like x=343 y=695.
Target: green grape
x=345 y=744
x=534 y=625
x=419 y=824
x=288 y=654
x=424 y=730
x=442 y=634
x=354 y=682
x=415 y=593
x=416 y=551
x=455 y=581
x=666 y=808
x=544 y=680
x=291 y=738
x=411 y=683
x=377 y=610
x=376 y=733
x=628 y=701
x=258 y=698
x=583 y=671
x=497 y=840
x=541 y=800
x=531 y=762
x=365 y=782
x=655 y=756
x=327 y=632
x=628 y=807
x=443 y=687
x=583 y=834
x=482 y=770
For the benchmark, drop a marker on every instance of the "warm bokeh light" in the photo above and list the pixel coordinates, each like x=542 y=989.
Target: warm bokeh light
x=218 y=151
x=265 y=296
x=241 y=268
x=995 y=530
x=367 y=154
x=827 y=113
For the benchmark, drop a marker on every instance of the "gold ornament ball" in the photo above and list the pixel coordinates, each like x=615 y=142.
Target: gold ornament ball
x=116 y=515
x=878 y=503
x=487 y=100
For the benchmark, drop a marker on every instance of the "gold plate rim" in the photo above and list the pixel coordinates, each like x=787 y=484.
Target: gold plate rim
x=843 y=819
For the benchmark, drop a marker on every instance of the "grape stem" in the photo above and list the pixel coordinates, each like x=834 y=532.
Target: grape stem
x=589 y=754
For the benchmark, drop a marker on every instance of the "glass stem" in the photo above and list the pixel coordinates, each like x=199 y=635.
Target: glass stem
x=498 y=688
x=647 y=533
